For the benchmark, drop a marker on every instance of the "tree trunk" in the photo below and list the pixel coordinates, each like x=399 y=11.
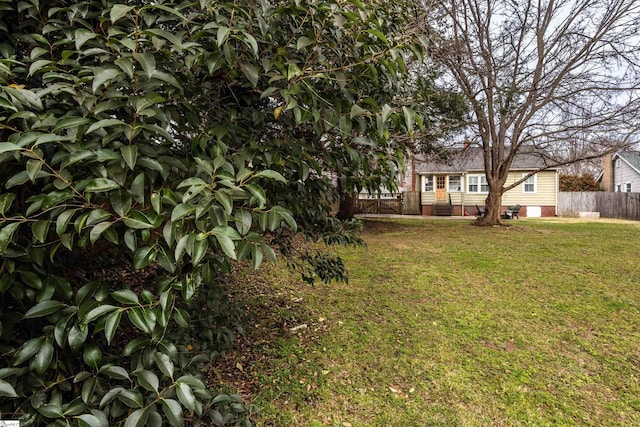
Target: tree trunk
x=492 y=206
x=347 y=207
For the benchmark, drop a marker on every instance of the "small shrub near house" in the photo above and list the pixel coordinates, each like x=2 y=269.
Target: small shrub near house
x=584 y=182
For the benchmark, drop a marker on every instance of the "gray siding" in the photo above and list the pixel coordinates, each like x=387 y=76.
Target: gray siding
x=624 y=174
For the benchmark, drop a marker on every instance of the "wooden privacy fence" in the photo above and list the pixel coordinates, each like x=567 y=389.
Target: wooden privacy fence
x=408 y=203
x=610 y=205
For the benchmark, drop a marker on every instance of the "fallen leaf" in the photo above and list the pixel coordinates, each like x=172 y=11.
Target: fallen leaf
x=277 y=112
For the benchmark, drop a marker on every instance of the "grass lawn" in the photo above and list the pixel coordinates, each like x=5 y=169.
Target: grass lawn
x=447 y=324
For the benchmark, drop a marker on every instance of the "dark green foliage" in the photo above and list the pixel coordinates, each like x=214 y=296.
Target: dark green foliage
x=584 y=182
x=146 y=146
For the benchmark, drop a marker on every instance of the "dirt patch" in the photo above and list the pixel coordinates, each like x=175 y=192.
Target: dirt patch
x=270 y=313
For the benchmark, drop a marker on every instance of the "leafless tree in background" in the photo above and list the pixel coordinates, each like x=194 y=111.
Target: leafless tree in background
x=561 y=77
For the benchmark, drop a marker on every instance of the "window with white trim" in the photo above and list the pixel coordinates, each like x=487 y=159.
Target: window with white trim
x=428 y=183
x=618 y=163
x=530 y=184
x=477 y=184
x=618 y=188
x=627 y=187
x=455 y=183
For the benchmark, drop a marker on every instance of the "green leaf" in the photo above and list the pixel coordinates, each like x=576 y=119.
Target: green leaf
x=251 y=41
x=182 y=210
x=409 y=118
x=110 y=395
x=118 y=11
x=156 y=202
x=267 y=173
x=164 y=363
x=286 y=215
x=27 y=350
x=173 y=411
x=104 y=75
x=6 y=200
x=148 y=380
x=121 y=202
x=199 y=250
x=138 y=220
x=227 y=246
x=193 y=181
x=44 y=308
x=116 y=372
x=303 y=42
x=7 y=105
x=97 y=231
x=142 y=318
x=129 y=154
x=293 y=71
x=7 y=390
x=148 y=62
x=181 y=317
x=51 y=410
x=379 y=35
x=111 y=325
x=92 y=356
x=82 y=35
x=125 y=296
x=5 y=147
x=243 y=221
x=70 y=122
x=138 y=418
x=43 y=358
x=38 y=65
x=166 y=261
x=97 y=312
x=77 y=336
x=88 y=420
x=137 y=188
x=144 y=256
x=357 y=111
x=250 y=73
x=167 y=78
x=386 y=111
x=40 y=229
x=98 y=185
x=97 y=215
x=223 y=33
x=225 y=200
x=33 y=169
x=185 y=395
x=105 y=123
x=31 y=279
x=258 y=193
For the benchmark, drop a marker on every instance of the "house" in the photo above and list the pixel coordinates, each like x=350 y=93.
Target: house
x=455 y=184
x=621 y=172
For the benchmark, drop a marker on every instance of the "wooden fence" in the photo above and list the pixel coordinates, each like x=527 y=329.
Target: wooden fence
x=407 y=204
x=610 y=205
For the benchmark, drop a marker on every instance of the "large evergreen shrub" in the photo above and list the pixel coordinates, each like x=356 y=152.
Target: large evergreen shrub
x=146 y=145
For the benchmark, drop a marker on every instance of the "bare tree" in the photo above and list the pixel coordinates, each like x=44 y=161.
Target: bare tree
x=559 y=78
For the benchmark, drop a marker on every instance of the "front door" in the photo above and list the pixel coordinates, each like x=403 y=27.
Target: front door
x=441 y=188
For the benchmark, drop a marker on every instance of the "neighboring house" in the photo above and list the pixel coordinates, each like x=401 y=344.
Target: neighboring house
x=621 y=172
x=455 y=185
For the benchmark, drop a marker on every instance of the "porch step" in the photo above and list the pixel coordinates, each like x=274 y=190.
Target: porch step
x=442 y=209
